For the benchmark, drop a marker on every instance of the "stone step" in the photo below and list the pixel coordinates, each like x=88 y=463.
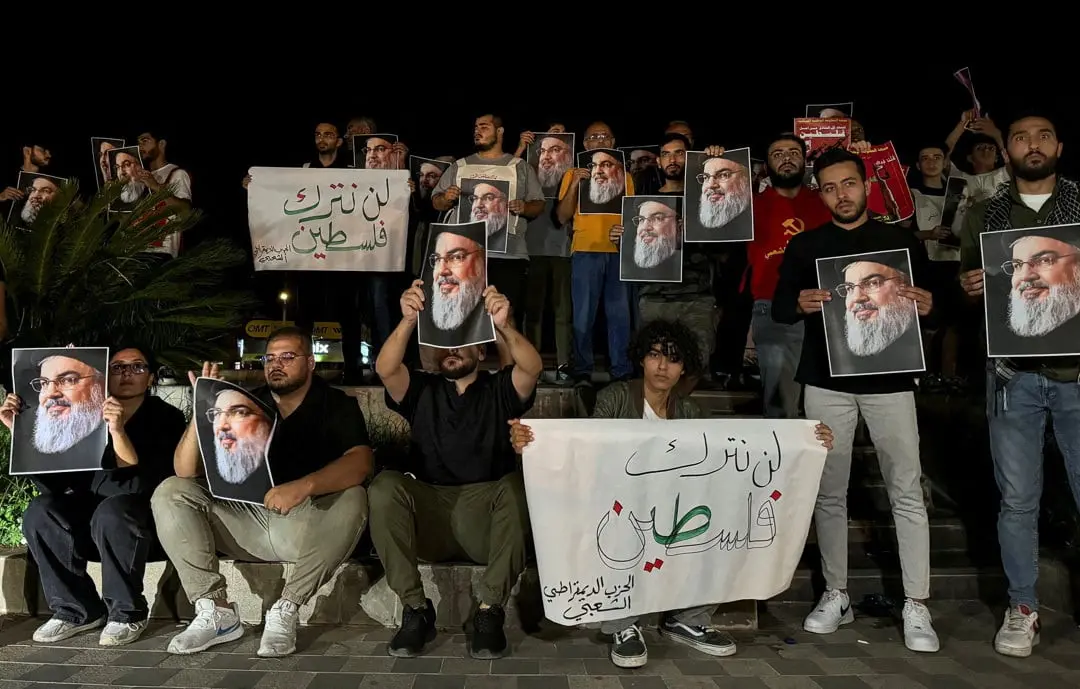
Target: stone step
x=947 y=534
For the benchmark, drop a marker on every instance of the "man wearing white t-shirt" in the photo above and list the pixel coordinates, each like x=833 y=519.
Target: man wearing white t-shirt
x=164 y=174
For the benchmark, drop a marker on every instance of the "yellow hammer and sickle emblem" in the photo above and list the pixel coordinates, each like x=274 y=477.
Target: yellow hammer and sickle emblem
x=793 y=226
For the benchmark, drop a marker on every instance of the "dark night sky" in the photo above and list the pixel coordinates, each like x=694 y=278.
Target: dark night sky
x=221 y=126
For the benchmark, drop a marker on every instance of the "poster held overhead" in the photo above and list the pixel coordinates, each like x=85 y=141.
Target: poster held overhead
x=551 y=154
x=719 y=197
x=61 y=427
x=455 y=277
x=235 y=430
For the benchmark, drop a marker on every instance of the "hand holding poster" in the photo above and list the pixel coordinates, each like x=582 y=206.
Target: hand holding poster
x=61 y=426
x=631 y=518
x=328 y=219
x=1032 y=288
x=235 y=430
x=870 y=327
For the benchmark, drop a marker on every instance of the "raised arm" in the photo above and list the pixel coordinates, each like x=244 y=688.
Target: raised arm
x=527 y=362
x=187 y=459
x=390 y=366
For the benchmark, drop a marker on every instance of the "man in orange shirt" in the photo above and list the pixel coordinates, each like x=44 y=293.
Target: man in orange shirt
x=782 y=211
x=594 y=271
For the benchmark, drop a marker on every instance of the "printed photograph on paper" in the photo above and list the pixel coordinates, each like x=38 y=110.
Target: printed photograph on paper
x=651 y=247
x=374 y=152
x=1032 y=291
x=551 y=154
x=235 y=430
x=426 y=173
x=100 y=147
x=869 y=328
x=602 y=192
x=455 y=277
x=125 y=163
x=719 y=197
x=641 y=158
x=487 y=201
x=39 y=190
x=60 y=427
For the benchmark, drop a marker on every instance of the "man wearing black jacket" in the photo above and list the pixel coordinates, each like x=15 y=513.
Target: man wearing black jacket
x=104 y=514
x=887 y=402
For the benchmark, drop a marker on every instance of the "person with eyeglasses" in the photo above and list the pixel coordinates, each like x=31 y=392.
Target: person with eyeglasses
x=103 y=515
x=885 y=401
x=1024 y=394
x=320 y=456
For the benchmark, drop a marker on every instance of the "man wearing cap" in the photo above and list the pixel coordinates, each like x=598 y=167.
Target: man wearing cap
x=1023 y=394
x=886 y=402
x=102 y=515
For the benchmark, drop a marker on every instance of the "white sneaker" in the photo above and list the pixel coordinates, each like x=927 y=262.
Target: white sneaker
x=279 y=630
x=919 y=634
x=57 y=630
x=212 y=626
x=1019 y=632
x=121 y=633
x=833 y=610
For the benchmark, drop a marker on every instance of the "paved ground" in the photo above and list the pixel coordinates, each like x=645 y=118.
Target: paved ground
x=866 y=654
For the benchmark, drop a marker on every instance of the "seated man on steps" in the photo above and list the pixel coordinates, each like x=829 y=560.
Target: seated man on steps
x=463 y=496
x=312 y=517
x=669 y=356
x=105 y=514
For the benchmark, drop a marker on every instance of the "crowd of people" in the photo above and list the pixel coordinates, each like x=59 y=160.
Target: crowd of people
x=461 y=495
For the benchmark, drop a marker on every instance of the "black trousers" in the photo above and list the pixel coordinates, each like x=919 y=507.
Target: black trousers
x=63 y=532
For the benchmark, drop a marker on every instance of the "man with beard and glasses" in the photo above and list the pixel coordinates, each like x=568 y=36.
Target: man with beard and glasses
x=691 y=301
x=489 y=206
x=41 y=191
x=460 y=494
x=784 y=209
x=1045 y=296
x=606 y=184
x=1024 y=393
x=508 y=271
x=241 y=432
x=458 y=278
x=877 y=320
x=886 y=402
x=725 y=192
x=126 y=165
x=104 y=515
x=312 y=518
x=656 y=238
x=556 y=156
x=594 y=271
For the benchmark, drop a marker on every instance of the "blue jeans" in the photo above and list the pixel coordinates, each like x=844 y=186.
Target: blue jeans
x=1017 y=412
x=595 y=277
x=779 y=347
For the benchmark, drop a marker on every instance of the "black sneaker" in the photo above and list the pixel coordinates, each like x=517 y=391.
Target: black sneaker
x=708 y=640
x=489 y=640
x=628 y=648
x=417 y=629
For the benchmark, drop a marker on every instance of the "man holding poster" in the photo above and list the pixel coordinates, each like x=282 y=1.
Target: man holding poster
x=667 y=353
x=886 y=400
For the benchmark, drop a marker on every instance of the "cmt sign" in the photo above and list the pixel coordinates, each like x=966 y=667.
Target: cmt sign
x=261 y=329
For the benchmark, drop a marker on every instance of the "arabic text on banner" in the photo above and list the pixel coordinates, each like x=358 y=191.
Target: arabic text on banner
x=631 y=518
x=328 y=219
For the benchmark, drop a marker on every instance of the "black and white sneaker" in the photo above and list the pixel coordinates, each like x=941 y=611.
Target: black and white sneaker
x=708 y=640
x=628 y=648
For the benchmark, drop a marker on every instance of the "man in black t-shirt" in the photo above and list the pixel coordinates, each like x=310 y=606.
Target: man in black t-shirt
x=461 y=495
x=103 y=515
x=312 y=517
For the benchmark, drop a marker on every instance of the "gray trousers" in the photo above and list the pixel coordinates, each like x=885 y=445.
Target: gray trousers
x=894 y=431
x=694 y=617
x=778 y=349
x=314 y=538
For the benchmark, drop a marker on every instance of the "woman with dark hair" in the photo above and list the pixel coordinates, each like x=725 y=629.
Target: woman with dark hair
x=668 y=360
x=104 y=515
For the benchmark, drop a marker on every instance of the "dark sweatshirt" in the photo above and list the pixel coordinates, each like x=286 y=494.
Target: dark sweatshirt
x=798 y=271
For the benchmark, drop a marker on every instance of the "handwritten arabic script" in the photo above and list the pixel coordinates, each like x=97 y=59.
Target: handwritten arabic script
x=328 y=219
x=677 y=513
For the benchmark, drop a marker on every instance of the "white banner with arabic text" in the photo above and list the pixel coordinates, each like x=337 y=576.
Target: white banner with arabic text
x=328 y=219
x=633 y=517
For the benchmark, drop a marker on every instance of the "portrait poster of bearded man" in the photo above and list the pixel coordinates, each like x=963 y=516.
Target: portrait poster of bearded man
x=870 y=328
x=455 y=277
x=38 y=190
x=125 y=165
x=235 y=430
x=601 y=193
x=651 y=247
x=719 y=197
x=1032 y=291
x=375 y=152
x=63 y=428
x=99 y=148
x=487 y=201
x=551 y=154
x=426 y=173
